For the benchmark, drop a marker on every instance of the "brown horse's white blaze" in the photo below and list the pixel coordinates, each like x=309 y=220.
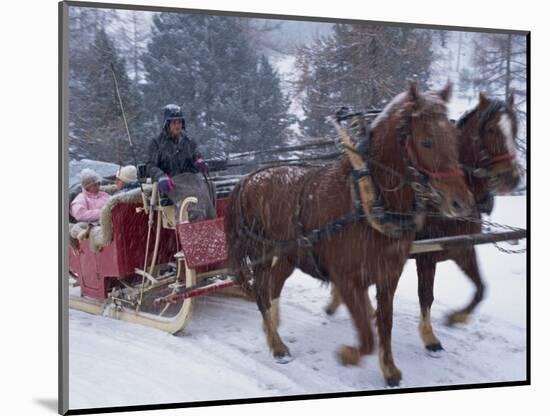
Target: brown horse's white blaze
x=500 y=131
x=505 y=124
x=509 y=175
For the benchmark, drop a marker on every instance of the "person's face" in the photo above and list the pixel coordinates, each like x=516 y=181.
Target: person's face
x=93 y=188
x=120 y=184
x=174 y=128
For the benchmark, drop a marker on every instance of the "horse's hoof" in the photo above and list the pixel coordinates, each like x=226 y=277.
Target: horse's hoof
x=393 y=378
x=283 y=357
x=435 y=347
x=349 y=355
x=457 y=318
x=329 y=311
x=393 y=381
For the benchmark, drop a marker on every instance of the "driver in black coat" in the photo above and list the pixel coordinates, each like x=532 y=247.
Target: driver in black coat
x=173 y=152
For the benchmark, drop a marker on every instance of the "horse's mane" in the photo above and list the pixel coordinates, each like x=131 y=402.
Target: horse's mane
x=431 y=103
x=465 y=117
x=380 y=118
x=495 y=106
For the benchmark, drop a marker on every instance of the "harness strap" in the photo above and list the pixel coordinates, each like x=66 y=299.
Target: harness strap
x=333 y=228
x=306 y=240
x=504 y=156
x=314 y=260
x=449 y=174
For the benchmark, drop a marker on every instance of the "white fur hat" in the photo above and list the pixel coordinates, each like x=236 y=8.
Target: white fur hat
x=127 y=174
x=88 y=177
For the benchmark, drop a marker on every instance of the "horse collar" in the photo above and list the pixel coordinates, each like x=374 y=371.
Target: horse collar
x=370 y=205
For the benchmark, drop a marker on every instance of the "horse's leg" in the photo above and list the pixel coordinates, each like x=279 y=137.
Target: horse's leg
x=269 y=281
x=281 y=269
x=358 y=303
x=425 y=269
x=467 y=261
x=385 y=290
x=335 y=301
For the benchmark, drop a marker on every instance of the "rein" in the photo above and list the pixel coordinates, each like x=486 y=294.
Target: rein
x=504 y=156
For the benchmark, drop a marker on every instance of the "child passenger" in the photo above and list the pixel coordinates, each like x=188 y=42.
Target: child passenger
x=86 y=207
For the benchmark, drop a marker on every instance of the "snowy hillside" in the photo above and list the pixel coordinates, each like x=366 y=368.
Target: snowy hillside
x=222 y=354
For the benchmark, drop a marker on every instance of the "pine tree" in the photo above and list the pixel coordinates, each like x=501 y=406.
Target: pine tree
x=271 y=107
x=97 y=118
x=131 y=36
x=315 y=88
x=500 y=65
x=206 y=65
x=359 y=66
x=499 y=68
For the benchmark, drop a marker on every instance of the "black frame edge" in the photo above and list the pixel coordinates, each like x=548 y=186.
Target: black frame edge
x=63 y=105
x=63 y=232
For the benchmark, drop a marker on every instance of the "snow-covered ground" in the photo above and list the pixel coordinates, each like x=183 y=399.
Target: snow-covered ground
x=222 y=353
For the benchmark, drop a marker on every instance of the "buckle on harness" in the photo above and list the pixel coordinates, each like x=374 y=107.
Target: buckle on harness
x=304 y=241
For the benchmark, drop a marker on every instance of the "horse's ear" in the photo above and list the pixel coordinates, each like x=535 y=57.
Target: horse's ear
x=413 y=91
x=510 y=100
x=446 y=92
x=483 y=101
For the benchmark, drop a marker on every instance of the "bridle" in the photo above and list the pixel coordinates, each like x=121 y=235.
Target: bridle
x=484 y=164
x=422 y=177
x=418 y=177
x=414 y=164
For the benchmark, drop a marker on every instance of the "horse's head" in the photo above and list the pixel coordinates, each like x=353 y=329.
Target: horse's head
x=494 y=144
x=431 y=144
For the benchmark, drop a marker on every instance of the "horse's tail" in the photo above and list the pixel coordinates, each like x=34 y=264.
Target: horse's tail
x=236 y=242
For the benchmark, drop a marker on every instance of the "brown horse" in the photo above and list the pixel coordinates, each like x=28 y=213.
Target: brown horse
x=272 y=214
x=487 y=153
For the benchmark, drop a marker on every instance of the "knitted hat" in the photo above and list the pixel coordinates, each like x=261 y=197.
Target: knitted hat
x=127 y=174
x=88 y=177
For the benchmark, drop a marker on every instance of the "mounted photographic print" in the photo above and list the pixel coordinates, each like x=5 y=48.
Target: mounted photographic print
x=260 y=207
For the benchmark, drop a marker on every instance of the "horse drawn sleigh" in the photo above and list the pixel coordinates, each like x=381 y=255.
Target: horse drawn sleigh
x=351 y=222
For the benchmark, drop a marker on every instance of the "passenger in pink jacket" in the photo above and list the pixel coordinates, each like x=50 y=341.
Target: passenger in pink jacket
x=86 y=207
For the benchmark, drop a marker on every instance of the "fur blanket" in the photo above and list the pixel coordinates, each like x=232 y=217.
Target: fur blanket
x=101 y=235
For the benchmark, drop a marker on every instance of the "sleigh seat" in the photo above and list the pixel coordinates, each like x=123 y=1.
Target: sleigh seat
x=116 y=247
